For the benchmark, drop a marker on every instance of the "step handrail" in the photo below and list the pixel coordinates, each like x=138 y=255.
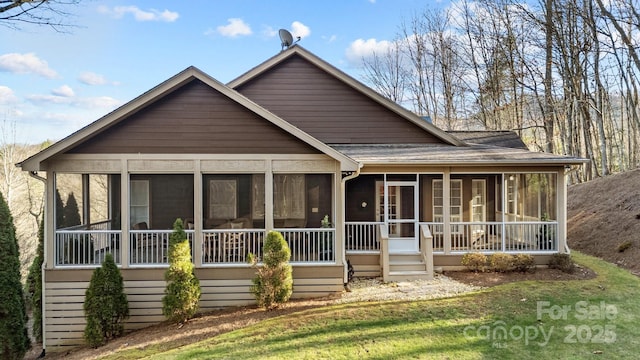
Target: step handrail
x=426 y=248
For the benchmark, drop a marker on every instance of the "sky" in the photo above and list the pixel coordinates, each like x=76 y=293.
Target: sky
x=54 y=83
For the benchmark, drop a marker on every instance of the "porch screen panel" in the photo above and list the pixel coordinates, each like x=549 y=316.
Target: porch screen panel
x=257 y=199
x=288 y=196
x=222 y=199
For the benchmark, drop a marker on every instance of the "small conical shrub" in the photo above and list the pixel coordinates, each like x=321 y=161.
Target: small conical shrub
x=59 y=211
x=71 y=212
x=273 y=284
x=105 y=304
x=14 y=336
x=182 y=293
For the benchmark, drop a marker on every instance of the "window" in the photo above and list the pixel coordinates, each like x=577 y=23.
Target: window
x=139 y=202
x=512 y=194
x=222 y=199
x=478 y=200
x=455 y=199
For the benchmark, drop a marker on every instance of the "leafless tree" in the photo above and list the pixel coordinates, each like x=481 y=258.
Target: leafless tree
x=386 y=72
x=565 y=74
x=53 y=13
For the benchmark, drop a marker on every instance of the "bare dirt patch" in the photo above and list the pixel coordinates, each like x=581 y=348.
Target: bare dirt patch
x=605 y=213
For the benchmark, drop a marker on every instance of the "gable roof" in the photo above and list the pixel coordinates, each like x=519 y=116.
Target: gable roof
x=158 y=92
x=297 y=50
x=503 y=138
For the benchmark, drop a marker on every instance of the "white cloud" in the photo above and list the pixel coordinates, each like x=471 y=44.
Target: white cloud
x=91 y=78
x=330 y=39
x=234 y=28
x=300 y=29
x=63 y=91
x=104 y=102
x=26 y=64
x=361 y=49
x=268 y=31
x=7 y=95
x=139 y=14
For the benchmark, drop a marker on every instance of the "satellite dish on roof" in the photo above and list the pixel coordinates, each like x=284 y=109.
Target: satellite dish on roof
x=286 y=38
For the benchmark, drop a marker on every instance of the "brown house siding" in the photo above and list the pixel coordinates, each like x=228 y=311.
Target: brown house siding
x=195 y=119
x=327 y=108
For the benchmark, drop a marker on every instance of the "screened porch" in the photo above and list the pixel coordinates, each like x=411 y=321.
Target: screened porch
x=483 y=212
x=224 y=217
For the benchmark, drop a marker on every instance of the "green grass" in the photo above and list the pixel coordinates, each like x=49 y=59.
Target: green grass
x=455 y=328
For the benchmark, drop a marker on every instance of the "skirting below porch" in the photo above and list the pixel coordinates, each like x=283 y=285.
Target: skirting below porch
x=221 y=287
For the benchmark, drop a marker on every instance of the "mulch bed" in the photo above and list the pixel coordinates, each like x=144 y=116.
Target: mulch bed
x=488 y=279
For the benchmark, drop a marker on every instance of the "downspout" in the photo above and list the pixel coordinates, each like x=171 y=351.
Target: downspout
x=34 y=174
x=567 y=171
x=343 y=183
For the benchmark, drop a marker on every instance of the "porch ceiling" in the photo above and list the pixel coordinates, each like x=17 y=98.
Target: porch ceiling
x=432 y=154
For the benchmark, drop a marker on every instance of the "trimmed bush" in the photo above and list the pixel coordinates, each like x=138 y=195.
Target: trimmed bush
x=14 y=336
x=563 y=262
x=524 y=263
x=105 y=304
x=474 y=261
x=34 y=285
x=182 y=294
x=501 y=262
x=273 y=284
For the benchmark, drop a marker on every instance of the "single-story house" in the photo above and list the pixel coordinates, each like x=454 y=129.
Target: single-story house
x=294 y=145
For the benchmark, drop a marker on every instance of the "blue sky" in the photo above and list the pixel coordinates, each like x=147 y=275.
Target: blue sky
x=52 y=84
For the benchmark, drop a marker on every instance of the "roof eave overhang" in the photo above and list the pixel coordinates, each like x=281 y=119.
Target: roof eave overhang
x=519 y=163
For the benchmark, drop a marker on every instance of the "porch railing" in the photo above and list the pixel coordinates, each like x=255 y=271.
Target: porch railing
x=525 y=236
x=86 y=247
x=219 y=246
x=529 y=236
x=362 y=236
x=231 y=246
x=310 y=245
x=151 y=247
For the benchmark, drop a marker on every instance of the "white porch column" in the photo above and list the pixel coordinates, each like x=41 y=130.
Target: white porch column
x=561 y=202
x=124 y=214
x=446 y=209
x=339 y=200
x=49 y=223
x=268 y=196
x=197 y=214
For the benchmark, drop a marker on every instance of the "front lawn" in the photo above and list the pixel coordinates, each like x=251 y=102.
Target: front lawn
x=523 y=320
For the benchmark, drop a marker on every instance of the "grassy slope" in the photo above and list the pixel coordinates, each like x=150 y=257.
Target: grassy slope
x=436 y=328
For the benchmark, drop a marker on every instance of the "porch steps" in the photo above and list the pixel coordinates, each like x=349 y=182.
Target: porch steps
x=407 y=266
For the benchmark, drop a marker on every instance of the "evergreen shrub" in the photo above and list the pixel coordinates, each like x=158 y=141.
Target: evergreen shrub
x=182 y=293
x=273 y=284
x=105 y=305
x=14 y=336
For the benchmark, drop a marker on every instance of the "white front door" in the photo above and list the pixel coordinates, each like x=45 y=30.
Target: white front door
x=401 y=213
